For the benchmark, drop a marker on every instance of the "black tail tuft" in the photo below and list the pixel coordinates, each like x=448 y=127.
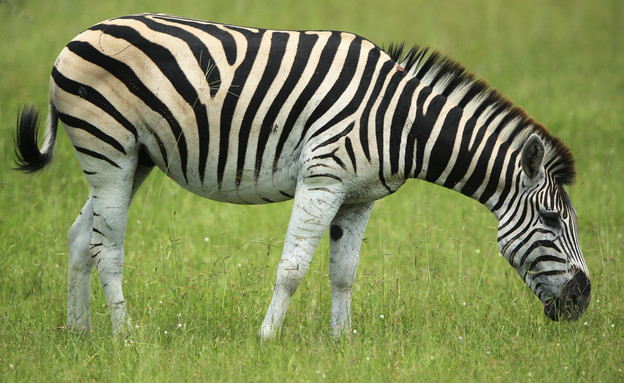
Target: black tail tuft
x=29 y=158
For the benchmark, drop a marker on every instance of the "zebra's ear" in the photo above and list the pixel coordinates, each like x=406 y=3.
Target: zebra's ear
x=532 y=157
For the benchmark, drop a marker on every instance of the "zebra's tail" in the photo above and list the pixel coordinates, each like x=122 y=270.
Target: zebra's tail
x=29 y=158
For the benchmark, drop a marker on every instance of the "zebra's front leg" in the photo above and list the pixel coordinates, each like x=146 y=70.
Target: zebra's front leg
x=79 y=271
x=346 y=233
x=314 y=208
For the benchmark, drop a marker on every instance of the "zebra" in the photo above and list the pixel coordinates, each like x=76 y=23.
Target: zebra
x=327 y=118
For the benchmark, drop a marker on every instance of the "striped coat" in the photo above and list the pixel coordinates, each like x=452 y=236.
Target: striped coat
x=246 y=115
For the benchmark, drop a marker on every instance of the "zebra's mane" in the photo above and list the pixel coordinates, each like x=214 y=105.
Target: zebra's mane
x=448 y=77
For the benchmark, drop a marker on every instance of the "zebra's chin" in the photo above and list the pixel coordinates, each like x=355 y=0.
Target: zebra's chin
x=572 y=301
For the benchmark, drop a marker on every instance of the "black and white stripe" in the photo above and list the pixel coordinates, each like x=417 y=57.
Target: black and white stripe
x=249 y=115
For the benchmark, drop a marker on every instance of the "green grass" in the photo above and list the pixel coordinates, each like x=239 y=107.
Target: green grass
x=199 y=275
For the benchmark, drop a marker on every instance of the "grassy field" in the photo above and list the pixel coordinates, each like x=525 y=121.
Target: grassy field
x=433 y=299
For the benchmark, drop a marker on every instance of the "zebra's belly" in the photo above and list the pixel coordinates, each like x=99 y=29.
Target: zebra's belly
x=266 y=189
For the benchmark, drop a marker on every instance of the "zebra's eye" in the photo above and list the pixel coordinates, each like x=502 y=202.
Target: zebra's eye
x=550 y=218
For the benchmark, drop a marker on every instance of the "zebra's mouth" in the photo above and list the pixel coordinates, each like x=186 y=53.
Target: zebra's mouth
x=572 y=301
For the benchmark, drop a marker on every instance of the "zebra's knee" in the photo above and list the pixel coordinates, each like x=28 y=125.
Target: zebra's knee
x=342 y=268
x=341 y=284
x=79 y=241
x=290 y=274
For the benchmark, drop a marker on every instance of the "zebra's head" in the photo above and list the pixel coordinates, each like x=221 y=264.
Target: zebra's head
x=538 y=235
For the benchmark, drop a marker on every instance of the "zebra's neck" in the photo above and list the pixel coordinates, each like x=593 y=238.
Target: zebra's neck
x=453 y=130
x=460 y=147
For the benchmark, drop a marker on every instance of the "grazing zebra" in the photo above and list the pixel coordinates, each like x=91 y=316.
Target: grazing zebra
x=251 y=116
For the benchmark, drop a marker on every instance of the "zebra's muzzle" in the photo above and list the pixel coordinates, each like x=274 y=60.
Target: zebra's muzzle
x=572 y=301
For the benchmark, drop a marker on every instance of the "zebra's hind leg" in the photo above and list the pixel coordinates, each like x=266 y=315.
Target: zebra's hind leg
x=346 y=233
x=314 y=208
x=81 y=262
x=79 y=271
x=111 y=190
